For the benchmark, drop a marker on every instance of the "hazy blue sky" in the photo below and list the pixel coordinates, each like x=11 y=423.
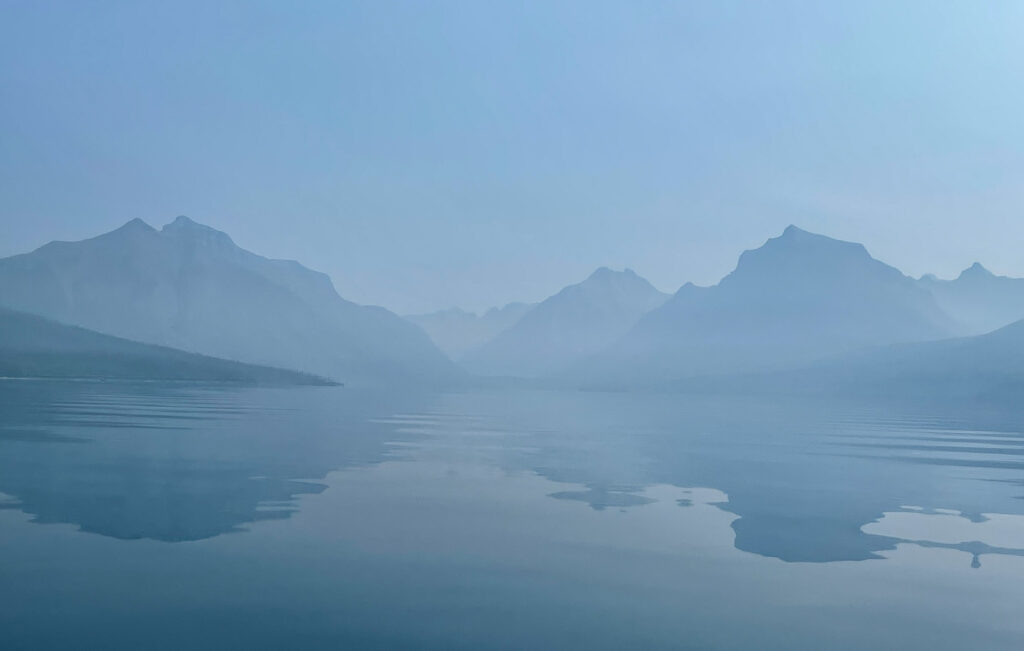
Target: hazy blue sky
x=473 y=153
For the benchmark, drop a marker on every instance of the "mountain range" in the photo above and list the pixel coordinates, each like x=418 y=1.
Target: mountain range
x=191 y=287
x=456 y=331
x=801 y=303
x=578 y=321
x=978 y=299
x=799 y=297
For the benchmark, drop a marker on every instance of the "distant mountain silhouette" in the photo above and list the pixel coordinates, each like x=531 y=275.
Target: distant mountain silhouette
x=979 y=299
x=35 y=347
x=189 y=286
x=981 y=366
x=457 y=331
x=989 y=364
x=799 y=297
x=577 y=321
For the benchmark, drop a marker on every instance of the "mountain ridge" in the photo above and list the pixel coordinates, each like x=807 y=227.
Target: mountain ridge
x=457 y=332
x=576 y=321
x=189 y=286
x=798 y=297
x=35 y=347
x=979 y=299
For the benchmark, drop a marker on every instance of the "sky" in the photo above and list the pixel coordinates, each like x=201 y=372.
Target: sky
x=428 y=155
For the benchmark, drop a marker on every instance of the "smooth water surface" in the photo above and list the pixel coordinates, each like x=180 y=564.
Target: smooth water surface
x=164 y=516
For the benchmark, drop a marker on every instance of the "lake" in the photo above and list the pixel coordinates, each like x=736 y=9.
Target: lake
x=164 y=516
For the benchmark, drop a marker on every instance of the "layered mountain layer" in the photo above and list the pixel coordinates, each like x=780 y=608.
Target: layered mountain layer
x=578 y=321
x=32 y=346
x=189 y=286
x=798 y=298
x=457 y=332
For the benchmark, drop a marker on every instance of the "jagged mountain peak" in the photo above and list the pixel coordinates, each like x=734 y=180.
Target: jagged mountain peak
x=608 y=280
x=136 y=224
x=607 y=273
x=183 y=228
x=182 y=223
x=457 y=331
x=797 y=254
x=976 y=270
x=979 y=299
x=134 y=228
x=797 y=239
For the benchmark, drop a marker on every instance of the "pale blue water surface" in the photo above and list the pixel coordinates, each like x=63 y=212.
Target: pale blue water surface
x=162 y=516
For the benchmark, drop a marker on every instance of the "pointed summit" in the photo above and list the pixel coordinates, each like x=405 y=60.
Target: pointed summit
x=183 y=224
x=796 y=235
x=182 y=221
x=979 y=299
x=133 y=226
x=130 y=235
x=184 y=228
x=794 y=238
x=976 y=270
x=797 y=254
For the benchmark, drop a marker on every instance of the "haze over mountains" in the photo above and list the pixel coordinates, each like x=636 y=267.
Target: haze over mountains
x=456 y=331
x=978 y=299
x=189 y=286
x=35 y=347
x=799 y=297
x=580 y=320
x=987 y=365
x=801 y=303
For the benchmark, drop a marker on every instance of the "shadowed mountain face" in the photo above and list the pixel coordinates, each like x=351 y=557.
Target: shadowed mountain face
x=457 y=332
x=799 y=297
x=577 y=321
x=979 y=299
x=189 y=286
x=987 y=366
x=35 y=347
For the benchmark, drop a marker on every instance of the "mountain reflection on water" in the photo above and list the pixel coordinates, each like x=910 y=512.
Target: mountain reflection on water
x=808 y=482
x=173 y=462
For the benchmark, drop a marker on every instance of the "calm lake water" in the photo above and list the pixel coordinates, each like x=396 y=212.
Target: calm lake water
x=153 y=516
